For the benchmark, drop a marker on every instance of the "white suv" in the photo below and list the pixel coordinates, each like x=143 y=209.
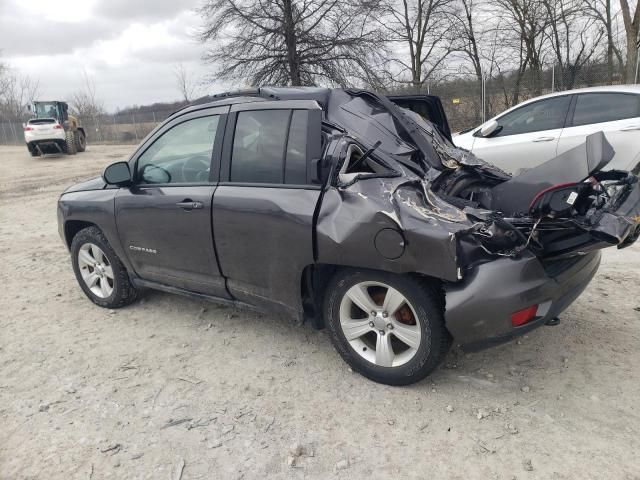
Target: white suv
x=44 y=135
x=542 y=128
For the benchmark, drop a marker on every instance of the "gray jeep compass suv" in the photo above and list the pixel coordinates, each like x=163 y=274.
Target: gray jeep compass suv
x=354 y=211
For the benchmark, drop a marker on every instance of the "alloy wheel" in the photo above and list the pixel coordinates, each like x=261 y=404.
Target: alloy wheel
x=380 y=324
x=96 y=270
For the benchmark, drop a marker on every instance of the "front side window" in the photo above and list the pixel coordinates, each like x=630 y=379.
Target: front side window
x=605 y=107
x=180 y=155
x=546 y=114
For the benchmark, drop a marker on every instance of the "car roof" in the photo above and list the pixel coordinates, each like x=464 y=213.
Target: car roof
x=223 y=101
x=601 y=89
x=258 y=94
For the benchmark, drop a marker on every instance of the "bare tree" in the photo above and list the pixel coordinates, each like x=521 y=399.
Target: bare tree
x=472 y=33
x=4 y=79
x=573 y=37
x=18 y=91
x=184 y=81
x=85 y=102
x=422 y=30
x=468 y=37
x=524 y=23
x=293 y=42
x=602 y=12
x=632 y=28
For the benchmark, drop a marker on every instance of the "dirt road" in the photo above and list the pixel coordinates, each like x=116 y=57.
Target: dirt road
x=172 y=388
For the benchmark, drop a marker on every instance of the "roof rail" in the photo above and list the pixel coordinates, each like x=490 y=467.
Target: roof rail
x=247 y=92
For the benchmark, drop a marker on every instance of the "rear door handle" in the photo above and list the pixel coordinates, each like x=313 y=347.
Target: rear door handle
x=543 y=139
x=189 y=204
x=630 y=128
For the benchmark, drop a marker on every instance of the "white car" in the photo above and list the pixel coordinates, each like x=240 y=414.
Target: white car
x=544 y=127
x=44 y=135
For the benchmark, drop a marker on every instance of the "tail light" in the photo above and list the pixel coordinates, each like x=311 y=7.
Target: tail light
x=557 y=201
x=28 y=129
x=57 y=126
x=539 y=196
x=523 y=316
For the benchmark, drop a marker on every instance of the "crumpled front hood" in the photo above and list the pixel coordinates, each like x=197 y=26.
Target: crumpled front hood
x=96 y=183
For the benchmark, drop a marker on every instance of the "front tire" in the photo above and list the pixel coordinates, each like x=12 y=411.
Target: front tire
x=70 y=142
x=81 y=141
x=100 y=273
x=387 y=327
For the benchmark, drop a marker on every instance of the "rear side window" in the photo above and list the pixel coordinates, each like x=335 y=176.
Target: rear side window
x=547 y=114
x=269 y=146
x=605 y=107
x=296 y=161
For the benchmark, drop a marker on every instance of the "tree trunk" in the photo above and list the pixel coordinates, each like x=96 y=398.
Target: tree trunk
x=291 y=43
x=632 y=56
x=631 y=27
x=609 y=43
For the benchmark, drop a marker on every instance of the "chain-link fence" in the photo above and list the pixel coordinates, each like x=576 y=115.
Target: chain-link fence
x=116 y=128
x=467 y=100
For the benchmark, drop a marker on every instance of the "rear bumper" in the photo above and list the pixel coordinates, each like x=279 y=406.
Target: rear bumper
x=58 y=135
x=479 y=308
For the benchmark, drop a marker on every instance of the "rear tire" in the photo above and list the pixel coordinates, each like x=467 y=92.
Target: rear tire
x=396 y=347
x=34 y=152
x=81 y=141
x=70 y=142
x=100 y=273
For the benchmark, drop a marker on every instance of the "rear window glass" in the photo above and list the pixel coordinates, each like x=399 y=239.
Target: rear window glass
x=41 y=121
x=605 y=107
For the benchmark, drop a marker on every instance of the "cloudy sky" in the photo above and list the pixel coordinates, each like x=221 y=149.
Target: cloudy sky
x=129 y=48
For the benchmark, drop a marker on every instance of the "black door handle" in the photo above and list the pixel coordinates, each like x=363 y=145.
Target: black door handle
x=189 y=204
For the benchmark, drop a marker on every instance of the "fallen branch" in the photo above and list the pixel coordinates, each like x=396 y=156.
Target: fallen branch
x=194 y=382
x=180 y=469
x=115 y=448
x=173 y=423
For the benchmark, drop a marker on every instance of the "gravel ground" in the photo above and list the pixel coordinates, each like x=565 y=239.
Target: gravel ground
x=173 y=388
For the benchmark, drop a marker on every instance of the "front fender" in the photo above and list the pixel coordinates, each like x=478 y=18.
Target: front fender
x=96 y=207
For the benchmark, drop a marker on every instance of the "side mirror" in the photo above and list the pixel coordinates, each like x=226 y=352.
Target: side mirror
x=489 y=128
x=117 y=174
x=28 y=107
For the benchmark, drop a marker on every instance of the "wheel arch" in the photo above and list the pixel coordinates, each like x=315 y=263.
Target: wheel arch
x=315 y=278
x=72 y=227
